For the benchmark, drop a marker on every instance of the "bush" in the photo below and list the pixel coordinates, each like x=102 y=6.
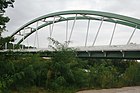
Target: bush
x=132 y=75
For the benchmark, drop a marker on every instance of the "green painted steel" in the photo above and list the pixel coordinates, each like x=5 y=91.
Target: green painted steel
x=124 y=20
x=79 y=18
x=110 y=54
x=84 y=54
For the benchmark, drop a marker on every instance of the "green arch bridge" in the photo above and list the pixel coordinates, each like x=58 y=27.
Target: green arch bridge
x=126 y=51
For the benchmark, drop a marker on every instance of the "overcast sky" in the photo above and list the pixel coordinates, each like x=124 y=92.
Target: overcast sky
x=26 y=10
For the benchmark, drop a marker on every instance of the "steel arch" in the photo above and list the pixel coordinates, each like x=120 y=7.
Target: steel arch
x=123 y=20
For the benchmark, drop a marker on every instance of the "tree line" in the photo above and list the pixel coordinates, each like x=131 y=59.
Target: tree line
x=64 y=72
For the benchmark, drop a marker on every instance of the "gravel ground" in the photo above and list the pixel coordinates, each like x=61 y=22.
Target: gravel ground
x=135 y=89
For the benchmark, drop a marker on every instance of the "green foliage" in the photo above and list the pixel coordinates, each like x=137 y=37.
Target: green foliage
x=5 y=3
x=81 y=78
x=64 y=72
x=3 y=20
x=102 y=76
x=132 y=75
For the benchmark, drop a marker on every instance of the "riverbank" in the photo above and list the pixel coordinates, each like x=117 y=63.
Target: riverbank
x=135 y=89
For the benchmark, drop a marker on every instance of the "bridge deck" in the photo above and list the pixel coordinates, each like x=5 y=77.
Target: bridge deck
x=131 y=51
x=131 y=47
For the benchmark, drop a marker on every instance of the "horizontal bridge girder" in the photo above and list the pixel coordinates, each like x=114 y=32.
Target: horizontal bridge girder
x=110 y=54
x=84 y=54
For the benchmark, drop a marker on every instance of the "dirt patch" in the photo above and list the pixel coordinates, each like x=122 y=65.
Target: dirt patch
x=135 y=89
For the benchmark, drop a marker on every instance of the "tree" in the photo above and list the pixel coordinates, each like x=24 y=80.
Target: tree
x=63 y=59
x=4 y=19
